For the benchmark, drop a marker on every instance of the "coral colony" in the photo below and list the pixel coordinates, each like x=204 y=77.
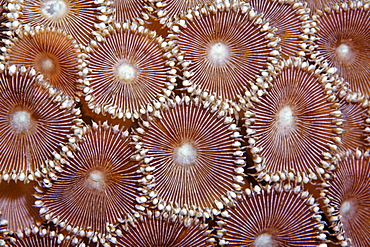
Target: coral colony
x=184 y=123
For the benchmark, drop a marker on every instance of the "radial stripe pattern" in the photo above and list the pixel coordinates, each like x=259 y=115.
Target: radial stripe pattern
x=97 y=187
x=347 y=200
x=128 y=72
x=355 y=121
x=344 y=40
x=273 y=217
x=289 y=17
x=33 y=123
x=225 y=50
x=294 y=124
x=16 y=204
x=51 y=52
x=160 y=231
x=127 y=10
x=76 y=17
x=194 y=157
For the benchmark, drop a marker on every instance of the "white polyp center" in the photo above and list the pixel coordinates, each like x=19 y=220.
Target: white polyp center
x=186 y=154
x=347 y=209
x=126 y=72
x=218 y=53
x=264 y=240
x=285 y=119
x=21 y=121
x=344 y=51
x=96 y=179
x=55 y=9
x=47 y=65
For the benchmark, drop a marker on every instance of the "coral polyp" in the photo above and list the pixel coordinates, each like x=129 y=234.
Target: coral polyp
x=33 y=122
x=98 y=185
x=259 y=219
x=62 y=14
x=343 y=41
x=291 y=127
x=347 y=200
x=128 y=71
x=193 y=157
x=225 y=50
x=51 y=52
